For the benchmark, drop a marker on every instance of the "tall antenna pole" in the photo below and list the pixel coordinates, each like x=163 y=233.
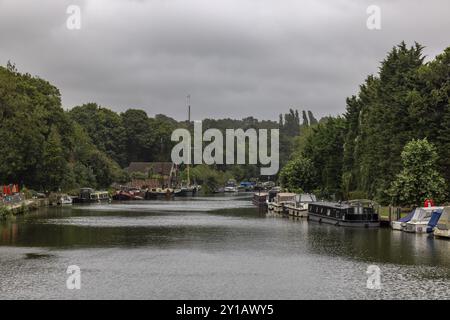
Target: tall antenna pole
x=189 y=124
x=189 y=107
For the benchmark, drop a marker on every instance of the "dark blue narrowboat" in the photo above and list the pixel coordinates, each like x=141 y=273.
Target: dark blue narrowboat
x=356 y=213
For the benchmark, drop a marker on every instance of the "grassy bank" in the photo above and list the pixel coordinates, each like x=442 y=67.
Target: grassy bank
x=7 y=211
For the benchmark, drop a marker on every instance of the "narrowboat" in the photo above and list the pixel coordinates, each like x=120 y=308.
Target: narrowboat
x=299 y=208
x=260 y=199
x=442 y=229
x=355 y=213
x=281 y=200
x=185 y=191
x=420 y=219
x=89 y=195
x=271 y=197
x=123 y=195
x=160 y=193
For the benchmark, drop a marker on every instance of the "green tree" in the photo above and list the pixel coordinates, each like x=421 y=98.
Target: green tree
x=324 y=147
x=53 y=167
x=312 y=119
x=105 y=128
x=305 y=119
x=419 y=178
x=140 y=138
x=380 y=122
x=299 y=175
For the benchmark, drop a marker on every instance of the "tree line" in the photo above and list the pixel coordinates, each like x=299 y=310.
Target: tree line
x=401 y=113
x=47 y=148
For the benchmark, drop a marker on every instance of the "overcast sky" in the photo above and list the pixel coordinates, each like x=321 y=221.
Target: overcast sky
x=235 y=58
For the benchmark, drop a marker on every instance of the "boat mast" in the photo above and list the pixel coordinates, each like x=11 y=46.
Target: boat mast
x=188 y=98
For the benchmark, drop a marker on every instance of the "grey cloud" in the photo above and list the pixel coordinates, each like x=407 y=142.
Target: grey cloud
x=235 y=57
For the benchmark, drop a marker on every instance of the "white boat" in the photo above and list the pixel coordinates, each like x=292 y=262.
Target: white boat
x=400 y=224
x=420 y=219
x=231 y=186
x=65 y=200
x=281 y=200
x=442 y=229
x=231 y=189
x=299 y=208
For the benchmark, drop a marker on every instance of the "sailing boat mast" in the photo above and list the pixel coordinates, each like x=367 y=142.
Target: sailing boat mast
x=188 y=98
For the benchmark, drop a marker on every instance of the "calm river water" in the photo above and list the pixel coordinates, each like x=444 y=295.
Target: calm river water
x=210 y=248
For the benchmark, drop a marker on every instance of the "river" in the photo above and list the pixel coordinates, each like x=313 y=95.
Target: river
x=210 y=248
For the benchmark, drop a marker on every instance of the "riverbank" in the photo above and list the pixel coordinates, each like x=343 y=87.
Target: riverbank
x=22 y=207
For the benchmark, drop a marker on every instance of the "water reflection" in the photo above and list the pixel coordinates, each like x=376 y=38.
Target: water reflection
x=219 y=247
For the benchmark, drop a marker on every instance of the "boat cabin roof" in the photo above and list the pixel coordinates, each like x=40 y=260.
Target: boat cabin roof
x=262 y=194
x=306 y=197
x=424 y=213
x=335 y=205
x=286 y=194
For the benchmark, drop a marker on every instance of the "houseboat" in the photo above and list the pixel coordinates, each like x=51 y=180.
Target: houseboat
x=89 y=195
x=271 y=197
x=299 y=208
x=355 y=213
x=442 y=229
x=281 y=200
x=160 y=193
x=260 y=199
x=185 y=190
x=420 y=219
x=126 y=195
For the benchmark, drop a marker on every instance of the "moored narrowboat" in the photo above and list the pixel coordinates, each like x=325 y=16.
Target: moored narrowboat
x=89 y=195
x=123 y=195
x=356 y=213
x=160 y=193
x=299 y=208
x=281 y=200
x=271 y=197
x=260 y=199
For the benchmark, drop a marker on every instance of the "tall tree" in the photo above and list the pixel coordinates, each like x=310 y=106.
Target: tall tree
x=419 y=179
x=105 y=128
x=305 y=119
x=53 y=166
x=381 y=123
x=312 y=119
x=324 y=147
x=299 y=175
